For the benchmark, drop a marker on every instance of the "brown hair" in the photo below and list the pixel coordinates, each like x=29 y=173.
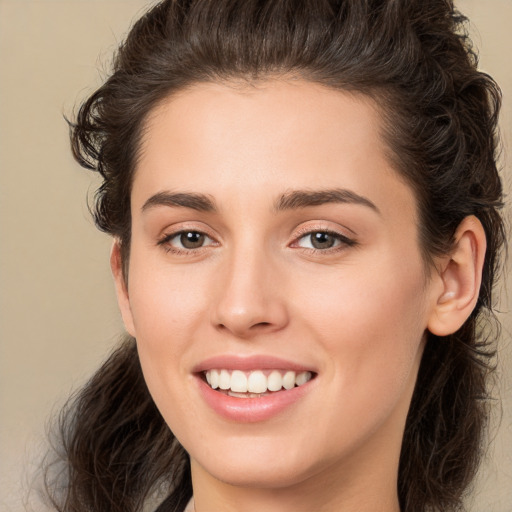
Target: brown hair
x=440 y=117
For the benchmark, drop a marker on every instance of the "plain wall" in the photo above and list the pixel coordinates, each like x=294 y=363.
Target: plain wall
x=58 y=316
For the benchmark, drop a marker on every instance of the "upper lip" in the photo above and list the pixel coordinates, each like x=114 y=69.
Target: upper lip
x=248 y=363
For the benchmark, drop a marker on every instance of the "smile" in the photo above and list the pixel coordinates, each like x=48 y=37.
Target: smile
x=257 y=383
x=254 y=388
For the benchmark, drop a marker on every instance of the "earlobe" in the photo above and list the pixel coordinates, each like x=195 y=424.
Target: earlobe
x=461 y=276
x=116 y=264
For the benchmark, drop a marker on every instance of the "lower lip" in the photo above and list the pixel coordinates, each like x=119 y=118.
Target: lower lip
x=251 y=410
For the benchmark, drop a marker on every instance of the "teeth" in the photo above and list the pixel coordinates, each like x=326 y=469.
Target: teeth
x=238 y=382
x=224 y=380
x=255 y=382
x=275 y=381
x=302 y=378
x=289 y=379
x=214 y=379
x=246 y=395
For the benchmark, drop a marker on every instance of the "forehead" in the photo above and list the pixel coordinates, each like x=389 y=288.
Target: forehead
x=270 y=112
x=271 y=136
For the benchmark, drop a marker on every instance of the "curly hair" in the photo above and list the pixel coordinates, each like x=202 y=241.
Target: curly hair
x=440 y=122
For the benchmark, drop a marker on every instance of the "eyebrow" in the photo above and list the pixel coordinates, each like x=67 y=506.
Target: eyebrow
x=296 y=199
x=199 y=202
x=292 y=200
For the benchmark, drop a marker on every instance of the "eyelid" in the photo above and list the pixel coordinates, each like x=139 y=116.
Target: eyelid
x=345 y=239
x=173 y=231
x=174 y=235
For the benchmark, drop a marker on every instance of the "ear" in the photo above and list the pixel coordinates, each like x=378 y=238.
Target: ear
x=116 y=264
x=461 y=276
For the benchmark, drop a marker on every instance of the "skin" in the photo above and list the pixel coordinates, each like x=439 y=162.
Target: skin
x=356 y=313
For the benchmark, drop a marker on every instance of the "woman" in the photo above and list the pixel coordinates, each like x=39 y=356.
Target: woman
x=305 y=210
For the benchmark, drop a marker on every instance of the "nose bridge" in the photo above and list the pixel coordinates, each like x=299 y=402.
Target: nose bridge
x=248 y=300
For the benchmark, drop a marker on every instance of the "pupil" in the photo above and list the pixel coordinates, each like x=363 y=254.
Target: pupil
x=192 y=240
x=322 y=240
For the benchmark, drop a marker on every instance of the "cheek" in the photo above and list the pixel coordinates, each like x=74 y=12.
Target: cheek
x=165 y=301
x=164 y=318
x=371 y=323
x=168 y=307
x=372 y=337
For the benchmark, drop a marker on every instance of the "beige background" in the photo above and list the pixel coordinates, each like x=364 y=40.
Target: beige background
x=58 y=317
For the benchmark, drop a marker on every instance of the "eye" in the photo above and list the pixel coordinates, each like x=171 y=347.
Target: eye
x=323 y=240
x=186 y=240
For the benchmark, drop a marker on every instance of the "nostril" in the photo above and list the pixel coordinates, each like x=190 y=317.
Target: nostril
x=246 y=320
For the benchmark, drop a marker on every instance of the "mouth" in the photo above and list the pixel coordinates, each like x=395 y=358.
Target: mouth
x=248 y=389
x=255 y=383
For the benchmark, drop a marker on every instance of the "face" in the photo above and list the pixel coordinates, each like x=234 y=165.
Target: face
x=275 y=255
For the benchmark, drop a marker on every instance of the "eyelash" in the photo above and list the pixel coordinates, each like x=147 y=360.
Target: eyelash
x=166 y=239
x=343 y=241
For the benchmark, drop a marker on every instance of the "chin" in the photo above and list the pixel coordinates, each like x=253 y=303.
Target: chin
x=259 y=463
x=265 y=475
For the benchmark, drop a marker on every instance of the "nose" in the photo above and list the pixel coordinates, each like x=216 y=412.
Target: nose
x=251 y=298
